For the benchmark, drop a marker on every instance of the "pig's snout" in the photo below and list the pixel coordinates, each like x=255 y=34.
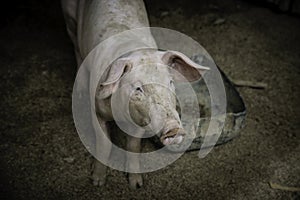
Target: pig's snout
x=173 y=136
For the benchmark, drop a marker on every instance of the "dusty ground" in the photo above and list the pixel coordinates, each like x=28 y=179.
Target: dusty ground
x=43 y=158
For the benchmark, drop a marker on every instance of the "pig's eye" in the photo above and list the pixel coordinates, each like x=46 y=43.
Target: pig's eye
x=171 y=82
x=139 y=89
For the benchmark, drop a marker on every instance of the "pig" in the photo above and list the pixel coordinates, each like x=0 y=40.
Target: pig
x=90 y=22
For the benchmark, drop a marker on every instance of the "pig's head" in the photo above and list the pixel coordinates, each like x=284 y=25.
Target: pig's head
x=149 y=78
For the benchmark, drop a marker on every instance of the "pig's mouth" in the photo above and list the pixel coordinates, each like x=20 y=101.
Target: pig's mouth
x=173 y=136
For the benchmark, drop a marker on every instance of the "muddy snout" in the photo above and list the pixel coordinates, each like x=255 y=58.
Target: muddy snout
x=173 y=136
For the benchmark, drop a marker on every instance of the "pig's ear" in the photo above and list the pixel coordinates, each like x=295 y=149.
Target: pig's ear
x=113 y=75
x=185 y=66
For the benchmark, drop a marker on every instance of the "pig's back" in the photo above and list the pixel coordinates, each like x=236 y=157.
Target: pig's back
x=100 y=19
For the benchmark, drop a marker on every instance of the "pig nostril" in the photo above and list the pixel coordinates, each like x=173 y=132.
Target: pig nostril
x=172 y=132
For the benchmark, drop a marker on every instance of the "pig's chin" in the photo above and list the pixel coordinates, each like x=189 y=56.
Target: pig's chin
x=174 y=136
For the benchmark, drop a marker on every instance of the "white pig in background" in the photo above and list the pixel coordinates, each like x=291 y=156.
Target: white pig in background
x=89 y=22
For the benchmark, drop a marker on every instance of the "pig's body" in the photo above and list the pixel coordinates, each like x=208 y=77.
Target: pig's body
x=90 y=22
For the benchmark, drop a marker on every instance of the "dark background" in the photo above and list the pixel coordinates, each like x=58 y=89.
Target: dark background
x=41 y=156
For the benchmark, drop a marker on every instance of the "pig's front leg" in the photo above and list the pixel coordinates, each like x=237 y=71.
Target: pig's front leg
x=133 y=144
x=103 y=147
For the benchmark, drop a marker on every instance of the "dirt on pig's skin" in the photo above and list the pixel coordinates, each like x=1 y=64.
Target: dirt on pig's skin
x=42 y=156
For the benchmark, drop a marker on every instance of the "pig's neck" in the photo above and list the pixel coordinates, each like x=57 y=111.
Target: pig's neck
x=103 y=18
x=103 y=109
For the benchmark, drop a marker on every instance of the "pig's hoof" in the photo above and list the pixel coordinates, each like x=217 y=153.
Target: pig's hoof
x=98 y=180
x=99 y=177
x=135 y=181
